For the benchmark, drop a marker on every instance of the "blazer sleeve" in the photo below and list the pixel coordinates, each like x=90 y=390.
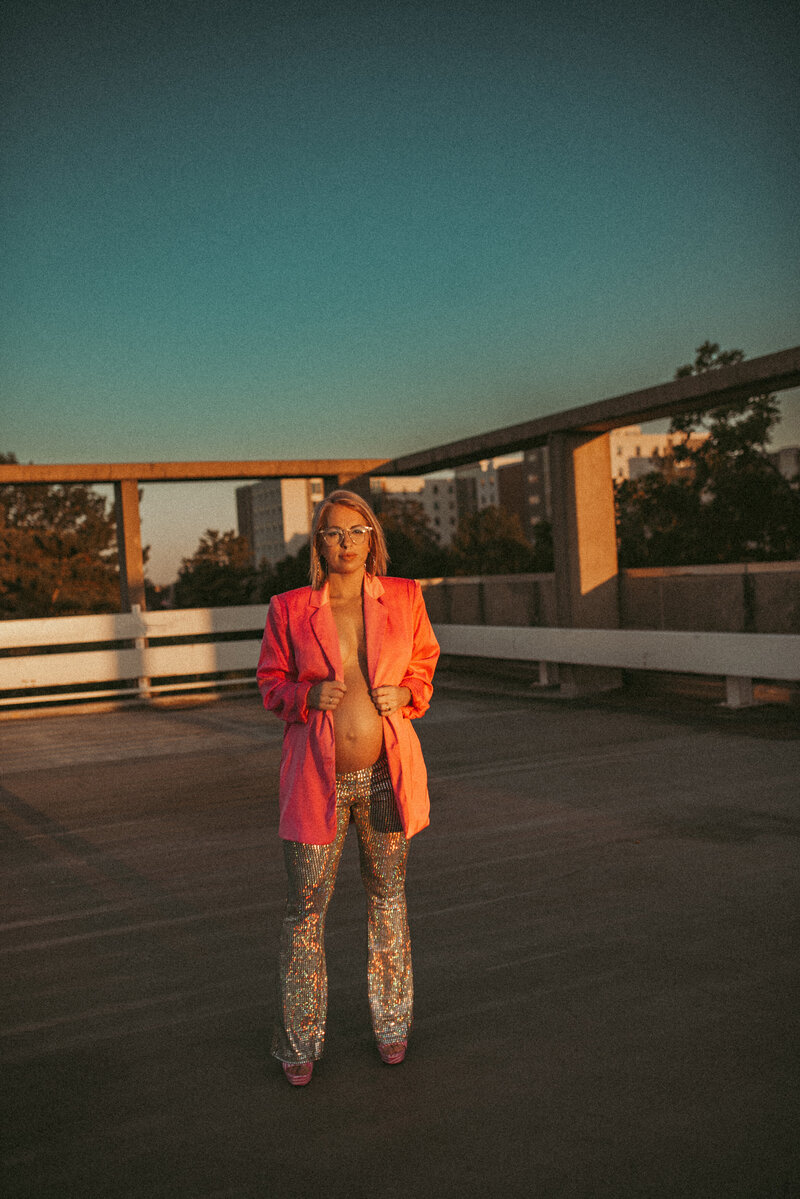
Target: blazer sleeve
x=277 y=672
x=424 y=656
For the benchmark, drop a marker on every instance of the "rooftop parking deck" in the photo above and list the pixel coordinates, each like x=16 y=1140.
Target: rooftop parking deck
x=604 y=917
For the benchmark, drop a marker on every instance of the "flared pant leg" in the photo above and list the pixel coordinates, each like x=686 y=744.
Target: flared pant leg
x=302 y=983
x=311 y=871
x=383 y=853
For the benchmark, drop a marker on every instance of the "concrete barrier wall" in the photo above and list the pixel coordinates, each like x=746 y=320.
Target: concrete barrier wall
x=515 y=600
x=761 y=597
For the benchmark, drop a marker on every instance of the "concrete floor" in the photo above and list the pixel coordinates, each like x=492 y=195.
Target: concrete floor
x=605 y=928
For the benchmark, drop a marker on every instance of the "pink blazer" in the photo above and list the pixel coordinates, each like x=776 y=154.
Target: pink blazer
x=300 y=648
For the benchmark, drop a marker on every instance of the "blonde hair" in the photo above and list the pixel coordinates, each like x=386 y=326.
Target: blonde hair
x=377 y=558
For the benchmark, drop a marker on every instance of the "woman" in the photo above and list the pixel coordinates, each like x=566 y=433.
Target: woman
x=347 y=663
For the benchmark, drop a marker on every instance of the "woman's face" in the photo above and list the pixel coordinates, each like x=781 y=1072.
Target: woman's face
x=348 y=558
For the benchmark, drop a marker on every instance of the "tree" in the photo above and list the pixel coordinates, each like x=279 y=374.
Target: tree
x=543 y=547
x=414 y=551
x=219 y=573
x=713 y=499
x=285 y=575
x=58 y=554
x=491 y=542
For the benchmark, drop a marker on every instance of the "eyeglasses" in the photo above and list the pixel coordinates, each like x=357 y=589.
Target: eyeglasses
x=356 y=534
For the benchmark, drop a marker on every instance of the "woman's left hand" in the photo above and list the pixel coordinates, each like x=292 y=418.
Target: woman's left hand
x=388 y=699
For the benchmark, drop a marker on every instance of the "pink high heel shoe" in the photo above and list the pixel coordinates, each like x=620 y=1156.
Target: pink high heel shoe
x=298 y=1073
x=393 y=1054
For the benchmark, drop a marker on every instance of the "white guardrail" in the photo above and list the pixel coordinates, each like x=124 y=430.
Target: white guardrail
x=738 y=657
x=128 y=649
x=128 y=654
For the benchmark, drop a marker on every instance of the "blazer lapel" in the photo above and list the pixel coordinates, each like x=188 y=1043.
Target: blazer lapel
x=324 y=629
x=376 y=616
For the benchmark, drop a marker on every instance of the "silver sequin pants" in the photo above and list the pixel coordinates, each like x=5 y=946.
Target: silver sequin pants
x=366 y=797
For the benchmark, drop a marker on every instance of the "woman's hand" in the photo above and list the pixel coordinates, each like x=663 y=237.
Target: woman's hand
x=326 y=696
x=388 y=699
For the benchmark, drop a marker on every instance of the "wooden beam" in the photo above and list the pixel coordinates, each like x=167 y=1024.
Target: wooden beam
x=186 y=472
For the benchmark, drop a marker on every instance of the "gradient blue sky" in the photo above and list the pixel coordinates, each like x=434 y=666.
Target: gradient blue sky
x=255 y=229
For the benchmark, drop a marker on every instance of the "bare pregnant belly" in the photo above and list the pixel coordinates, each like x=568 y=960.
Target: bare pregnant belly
x=358 y=729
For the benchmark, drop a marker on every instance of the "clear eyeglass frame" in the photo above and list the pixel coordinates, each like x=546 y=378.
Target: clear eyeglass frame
x=356 y=534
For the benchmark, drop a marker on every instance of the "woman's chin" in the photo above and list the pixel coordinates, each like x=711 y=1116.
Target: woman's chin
x=347 y=566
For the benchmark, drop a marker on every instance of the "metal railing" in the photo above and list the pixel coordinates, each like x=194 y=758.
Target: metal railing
x=135 y=654
x=738 y=657
x=139 y=655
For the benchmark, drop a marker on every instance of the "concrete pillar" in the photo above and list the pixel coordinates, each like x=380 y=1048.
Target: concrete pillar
x=585 y=548
x=129 y=544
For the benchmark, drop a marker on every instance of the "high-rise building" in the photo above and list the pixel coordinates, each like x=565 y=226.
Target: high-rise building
x=476 y=487
x=441 y=506
x=275 y=516
x=523 y=487
x=536 y=464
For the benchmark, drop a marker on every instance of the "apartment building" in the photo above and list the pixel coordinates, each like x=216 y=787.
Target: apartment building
x=634 y=453
x=275 y=516
x=476 y=487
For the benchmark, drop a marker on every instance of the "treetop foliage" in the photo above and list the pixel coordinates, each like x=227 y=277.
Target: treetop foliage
x=490 y=541
x=714 y=499
x=218 y=574
x=411 y=543
x=58 y=552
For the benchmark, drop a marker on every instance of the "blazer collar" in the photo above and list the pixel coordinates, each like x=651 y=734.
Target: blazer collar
x=373 y=587
x=376 y=615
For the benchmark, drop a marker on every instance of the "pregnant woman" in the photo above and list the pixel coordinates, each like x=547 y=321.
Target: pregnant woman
x=347 y=663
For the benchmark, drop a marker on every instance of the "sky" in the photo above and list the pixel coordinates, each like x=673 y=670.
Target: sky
x=248 y=229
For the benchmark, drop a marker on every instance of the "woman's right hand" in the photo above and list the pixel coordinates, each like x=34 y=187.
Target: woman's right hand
x=326 y=696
